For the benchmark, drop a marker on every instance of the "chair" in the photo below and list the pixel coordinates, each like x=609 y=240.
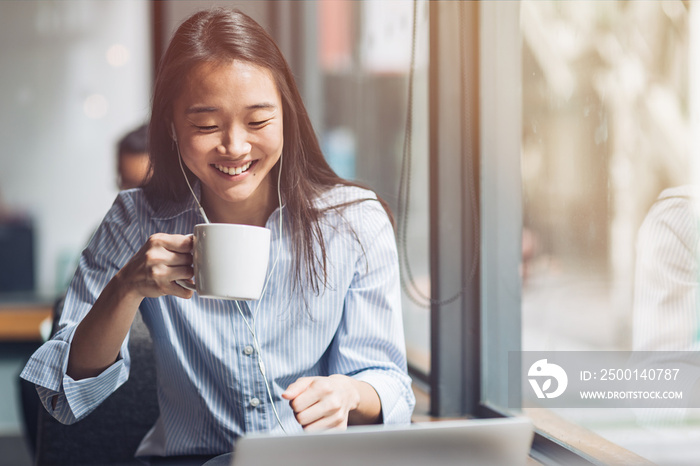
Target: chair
x=110 y=434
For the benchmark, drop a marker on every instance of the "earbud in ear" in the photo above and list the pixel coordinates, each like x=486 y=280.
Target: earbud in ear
x=172 y=131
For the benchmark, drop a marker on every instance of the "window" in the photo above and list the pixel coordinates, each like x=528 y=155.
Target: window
x=605 y=101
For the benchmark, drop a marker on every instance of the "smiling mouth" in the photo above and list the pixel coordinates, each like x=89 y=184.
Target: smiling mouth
x=233 y=171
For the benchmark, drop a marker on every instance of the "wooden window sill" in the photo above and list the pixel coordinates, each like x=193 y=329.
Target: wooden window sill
x=551 y=428
x=593 y=447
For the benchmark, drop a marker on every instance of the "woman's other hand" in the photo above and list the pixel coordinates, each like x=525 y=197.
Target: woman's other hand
x=332 y=402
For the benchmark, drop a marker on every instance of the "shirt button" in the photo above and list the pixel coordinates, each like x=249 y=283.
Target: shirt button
x=254 y=402
x=248 y=350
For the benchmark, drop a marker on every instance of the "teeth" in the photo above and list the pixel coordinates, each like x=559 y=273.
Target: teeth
x=233 y=171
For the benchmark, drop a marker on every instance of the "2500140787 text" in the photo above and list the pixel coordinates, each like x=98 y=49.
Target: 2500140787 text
x=630 y=374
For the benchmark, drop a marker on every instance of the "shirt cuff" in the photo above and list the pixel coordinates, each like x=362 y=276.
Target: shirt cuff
x=396 y=397
x=76 y=399
x=84 y=395
x=47 y=365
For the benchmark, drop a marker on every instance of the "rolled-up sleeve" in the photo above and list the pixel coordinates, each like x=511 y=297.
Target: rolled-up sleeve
x=66 y=399
x=74 y=399
x=369 y=344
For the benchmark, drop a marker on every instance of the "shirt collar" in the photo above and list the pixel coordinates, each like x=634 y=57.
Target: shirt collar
x=170 y=208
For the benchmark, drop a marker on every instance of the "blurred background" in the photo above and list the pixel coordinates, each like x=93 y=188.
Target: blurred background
x=609 y=103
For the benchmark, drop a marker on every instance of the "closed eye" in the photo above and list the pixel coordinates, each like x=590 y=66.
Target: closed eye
x=206 y=128
x=260 y=123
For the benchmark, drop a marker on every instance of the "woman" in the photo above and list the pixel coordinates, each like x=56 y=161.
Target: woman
x=329 y=324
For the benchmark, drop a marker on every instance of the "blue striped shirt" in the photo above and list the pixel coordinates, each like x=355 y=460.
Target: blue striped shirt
x=210 y=389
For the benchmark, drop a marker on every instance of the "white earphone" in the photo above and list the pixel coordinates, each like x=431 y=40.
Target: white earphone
x=179 y=159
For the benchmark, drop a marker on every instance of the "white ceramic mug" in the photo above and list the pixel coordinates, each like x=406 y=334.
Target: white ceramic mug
x=230 y=261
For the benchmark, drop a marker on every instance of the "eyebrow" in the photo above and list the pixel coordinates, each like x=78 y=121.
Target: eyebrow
x=262 y=105
x=192 y=110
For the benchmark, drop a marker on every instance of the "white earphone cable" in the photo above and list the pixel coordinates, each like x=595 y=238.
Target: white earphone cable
x=179 y=159
x=261 y=365
x=251 y=329
x=279 y=243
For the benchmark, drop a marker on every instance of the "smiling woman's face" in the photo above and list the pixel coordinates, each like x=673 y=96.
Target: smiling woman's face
x=228 y=123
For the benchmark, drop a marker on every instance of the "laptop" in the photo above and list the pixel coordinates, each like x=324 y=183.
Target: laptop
x=503 y=441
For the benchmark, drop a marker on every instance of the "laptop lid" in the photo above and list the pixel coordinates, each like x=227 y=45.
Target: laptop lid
x=503 y=441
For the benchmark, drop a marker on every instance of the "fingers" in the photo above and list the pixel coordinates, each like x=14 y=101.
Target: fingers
x=319 y=402
x=180 y=273
x=174 y=243
x=162 y=260
x=327 y=413
x=157 y=256
x=296 y=388
x=167 y=266
x=176 y=290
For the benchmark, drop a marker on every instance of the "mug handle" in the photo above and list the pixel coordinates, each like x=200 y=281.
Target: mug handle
x=186 y=285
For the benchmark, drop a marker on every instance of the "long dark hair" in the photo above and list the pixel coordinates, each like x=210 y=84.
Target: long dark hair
x=222 y=35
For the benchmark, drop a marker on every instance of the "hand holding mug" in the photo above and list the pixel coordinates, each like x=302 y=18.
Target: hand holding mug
x=162 y=260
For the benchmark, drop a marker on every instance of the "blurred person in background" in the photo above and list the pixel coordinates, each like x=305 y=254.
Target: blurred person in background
x=132 y=159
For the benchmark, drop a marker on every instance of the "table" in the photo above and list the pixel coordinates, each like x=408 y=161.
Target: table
x=21 y=321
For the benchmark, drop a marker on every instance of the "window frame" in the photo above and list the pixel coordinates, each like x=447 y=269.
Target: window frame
x=500 y=71
x=453 y=145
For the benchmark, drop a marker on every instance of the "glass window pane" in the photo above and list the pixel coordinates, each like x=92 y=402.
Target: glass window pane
x=365 y=53
x=607 y=112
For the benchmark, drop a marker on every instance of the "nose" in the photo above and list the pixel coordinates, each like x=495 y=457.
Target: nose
x=235 y=142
